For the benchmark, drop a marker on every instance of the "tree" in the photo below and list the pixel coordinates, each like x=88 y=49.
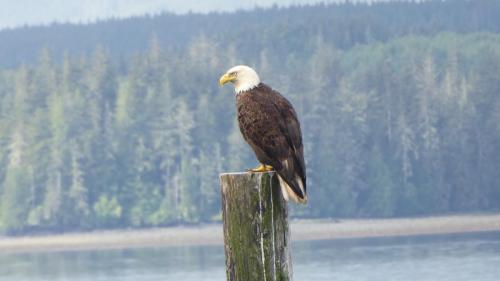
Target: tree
x=78 y=192
x=14 y=207
x=379 y=198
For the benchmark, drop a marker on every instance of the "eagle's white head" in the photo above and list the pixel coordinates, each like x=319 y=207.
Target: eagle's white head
x=243 y=77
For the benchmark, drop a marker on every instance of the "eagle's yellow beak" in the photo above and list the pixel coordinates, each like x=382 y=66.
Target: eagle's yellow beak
x=226 y=78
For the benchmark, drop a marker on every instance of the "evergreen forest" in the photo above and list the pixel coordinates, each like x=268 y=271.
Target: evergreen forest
x=122 y=123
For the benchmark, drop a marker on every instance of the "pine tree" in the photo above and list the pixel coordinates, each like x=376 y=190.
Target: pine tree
x=77 y=190
x=14 y=204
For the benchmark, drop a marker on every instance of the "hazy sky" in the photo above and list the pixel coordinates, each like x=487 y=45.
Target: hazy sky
x=33 y=12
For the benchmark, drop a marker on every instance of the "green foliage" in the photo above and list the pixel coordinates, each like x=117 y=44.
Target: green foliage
x=394 y=125
x=107 y=211
x=379 y=196
x=15 y=201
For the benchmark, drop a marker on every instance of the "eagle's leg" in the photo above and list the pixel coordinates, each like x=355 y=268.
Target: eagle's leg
x=261 y=168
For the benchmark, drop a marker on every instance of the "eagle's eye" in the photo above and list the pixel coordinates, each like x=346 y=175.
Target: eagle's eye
x=234 y=73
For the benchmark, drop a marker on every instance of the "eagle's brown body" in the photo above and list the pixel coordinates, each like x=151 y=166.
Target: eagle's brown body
x=269 y=124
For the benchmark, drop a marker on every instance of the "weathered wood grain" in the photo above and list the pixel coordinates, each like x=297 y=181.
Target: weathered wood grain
x=256 y=235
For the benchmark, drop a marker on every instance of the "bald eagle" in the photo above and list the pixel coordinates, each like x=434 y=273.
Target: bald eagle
x=270 y=126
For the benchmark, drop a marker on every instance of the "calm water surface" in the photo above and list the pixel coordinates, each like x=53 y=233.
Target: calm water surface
x=467 y=257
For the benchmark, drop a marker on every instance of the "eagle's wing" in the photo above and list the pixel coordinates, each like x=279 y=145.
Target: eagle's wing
x=293 y=170
x=279 y=138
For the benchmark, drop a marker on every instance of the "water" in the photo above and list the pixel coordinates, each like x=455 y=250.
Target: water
x=463 y=257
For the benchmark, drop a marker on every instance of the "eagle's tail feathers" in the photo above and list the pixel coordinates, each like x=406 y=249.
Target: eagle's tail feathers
x=288 y=192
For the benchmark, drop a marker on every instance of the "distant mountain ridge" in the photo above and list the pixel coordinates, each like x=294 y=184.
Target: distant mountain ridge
x=344 y=25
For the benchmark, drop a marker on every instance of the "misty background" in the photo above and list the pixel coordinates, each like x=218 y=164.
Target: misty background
x=121 y=123
x=28 y=12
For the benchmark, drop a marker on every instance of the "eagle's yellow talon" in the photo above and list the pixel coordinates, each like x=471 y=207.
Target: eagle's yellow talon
x=261 y=168
x=269 y=168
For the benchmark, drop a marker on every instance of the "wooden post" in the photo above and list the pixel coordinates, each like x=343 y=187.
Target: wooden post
x=256 y=236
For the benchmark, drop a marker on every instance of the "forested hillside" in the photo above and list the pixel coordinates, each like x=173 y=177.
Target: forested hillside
x=407 y=125
x=283 y=30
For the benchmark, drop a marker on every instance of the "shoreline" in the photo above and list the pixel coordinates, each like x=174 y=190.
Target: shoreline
x=211 y=234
